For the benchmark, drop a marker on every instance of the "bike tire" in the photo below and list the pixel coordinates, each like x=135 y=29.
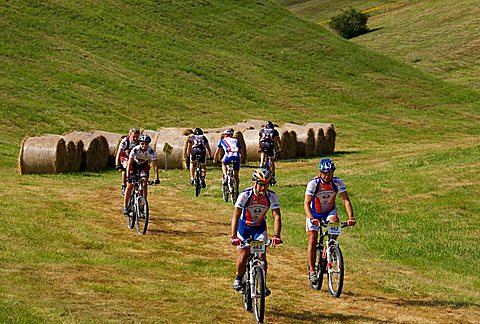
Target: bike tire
x=259 y=298
x=319 y=268
x=131 y=214
x=198 y=184
x=246 y=293
x=336 y=272
x=234 y=191
x=225 y=193
x=141 y=219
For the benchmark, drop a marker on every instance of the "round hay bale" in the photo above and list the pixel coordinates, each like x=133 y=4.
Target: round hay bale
x=330 y=136
x=113 y=140
x=214 y=136
x=288 y=145
x=95 y=150
x=43 y=154
x=251 y=137
x=178 y=140
x=320 y=143
x=305 y=139
x=74 y=153
x=249 y=124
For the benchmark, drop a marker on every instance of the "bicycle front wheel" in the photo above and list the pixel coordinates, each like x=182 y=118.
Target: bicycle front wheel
x=335 y=272
x=131 y=213
x=246 y=293
x=141 y=220
x=259 y=298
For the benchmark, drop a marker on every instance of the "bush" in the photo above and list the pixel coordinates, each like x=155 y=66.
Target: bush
x=350 y=23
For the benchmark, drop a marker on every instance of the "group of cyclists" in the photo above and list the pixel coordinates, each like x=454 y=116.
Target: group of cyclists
x=134 y=157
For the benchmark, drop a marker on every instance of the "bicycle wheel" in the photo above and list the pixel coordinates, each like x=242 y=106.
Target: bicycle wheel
x=319 y=268
x=131 y=213
x=198 y=184
x=246 y=294
x=259 y=298
x=141 y=219
x=234 y=192
x=224 y=193
x=336 y=272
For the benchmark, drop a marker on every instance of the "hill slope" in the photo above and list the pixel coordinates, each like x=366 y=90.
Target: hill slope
x=441 y=37
x=407 y=148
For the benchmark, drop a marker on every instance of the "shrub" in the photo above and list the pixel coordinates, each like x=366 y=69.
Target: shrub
x=350 y=23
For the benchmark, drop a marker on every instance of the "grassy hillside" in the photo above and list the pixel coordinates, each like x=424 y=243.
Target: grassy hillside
x=407 y=148
x=440 y=37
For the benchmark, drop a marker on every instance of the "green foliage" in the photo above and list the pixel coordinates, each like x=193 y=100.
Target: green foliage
x=350 y=23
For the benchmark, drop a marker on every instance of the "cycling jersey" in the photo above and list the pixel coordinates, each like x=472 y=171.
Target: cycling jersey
x=323 y=201
x=198 y=141
x=268 y=135
x=126 y=145
x=141 y=157
x=230 y=145
x=255 y=208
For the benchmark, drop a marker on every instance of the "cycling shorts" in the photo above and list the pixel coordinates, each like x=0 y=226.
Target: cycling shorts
x=141 y=170
x=267 y=148
x=200 y=153
x=254 y=232
x=325 y=217
x=233 y=158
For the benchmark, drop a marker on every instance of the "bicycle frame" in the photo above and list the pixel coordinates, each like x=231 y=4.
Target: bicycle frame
x=231 y=187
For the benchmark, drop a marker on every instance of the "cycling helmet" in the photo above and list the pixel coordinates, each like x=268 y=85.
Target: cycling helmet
x=228 y=131
x=269 y=125
x=198 y=131
x=326 y=166
x=145 y=138
x=262 y=175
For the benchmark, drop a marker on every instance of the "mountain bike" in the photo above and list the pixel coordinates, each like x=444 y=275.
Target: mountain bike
x=329 y=258
x=230 y=186
x=198 y=176
x=138 y=211
x=267 y=164
x=253 y=294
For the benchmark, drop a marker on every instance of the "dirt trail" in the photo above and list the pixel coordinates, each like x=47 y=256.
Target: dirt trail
x=292 y=300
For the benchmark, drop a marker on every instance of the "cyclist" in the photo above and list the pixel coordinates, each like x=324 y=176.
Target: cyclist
x=319 y=205
x=126 y=145
x=138 y=162
x=231 y=146
x=269 y=141
x=198 y=146
x=249 y=221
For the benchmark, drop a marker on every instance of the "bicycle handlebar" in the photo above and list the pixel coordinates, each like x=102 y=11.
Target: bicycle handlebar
x=246 y=243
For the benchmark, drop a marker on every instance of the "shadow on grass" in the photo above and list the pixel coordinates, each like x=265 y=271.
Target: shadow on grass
x=437 y=303
x=322 y=317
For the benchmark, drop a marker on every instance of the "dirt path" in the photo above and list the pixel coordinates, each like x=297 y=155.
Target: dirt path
x=292 y=300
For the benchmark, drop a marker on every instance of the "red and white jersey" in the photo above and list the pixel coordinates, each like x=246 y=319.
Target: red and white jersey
x=230 y=145
x=255 y=208
x=126 y=145
x=324 y=194
x=140 y=156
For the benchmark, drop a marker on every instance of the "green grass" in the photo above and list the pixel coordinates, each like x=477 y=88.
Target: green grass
x=407 y=148
x=440 y=37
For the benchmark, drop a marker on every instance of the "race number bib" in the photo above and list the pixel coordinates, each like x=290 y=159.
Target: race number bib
x=257 y=247
x=334 y=229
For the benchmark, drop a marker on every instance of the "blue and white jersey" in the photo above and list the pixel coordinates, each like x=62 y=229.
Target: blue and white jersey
x=230 y=145
x=255 y=208
x=324 y=194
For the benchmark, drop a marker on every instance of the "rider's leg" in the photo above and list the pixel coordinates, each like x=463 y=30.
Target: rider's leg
x=262 y=158
x=242 y=260
x=192 y=168
x=128 y=192
x=235 y=174
x=312 y=249
x=224 y=171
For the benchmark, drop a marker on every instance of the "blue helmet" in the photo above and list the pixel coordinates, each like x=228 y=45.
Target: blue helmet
x=326 y=166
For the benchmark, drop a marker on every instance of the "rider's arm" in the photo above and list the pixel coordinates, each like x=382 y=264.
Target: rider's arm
x=277 y=222
x=155 y=169
x=189 y=149
x=236 y=215
x=348 y=205
x=215 y=156
x=208 y=150
x=306 y=206
x=277 y=143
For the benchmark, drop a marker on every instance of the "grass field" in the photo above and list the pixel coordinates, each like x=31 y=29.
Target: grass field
x=407 y=148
